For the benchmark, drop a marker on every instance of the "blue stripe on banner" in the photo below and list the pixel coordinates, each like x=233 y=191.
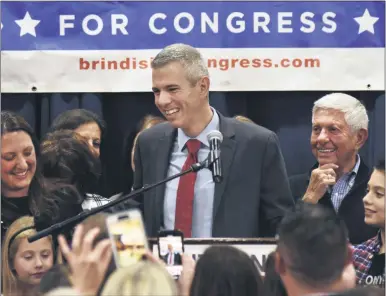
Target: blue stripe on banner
x=153 y=25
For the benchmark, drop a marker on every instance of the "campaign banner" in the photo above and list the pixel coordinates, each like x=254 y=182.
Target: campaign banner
x=108 y=46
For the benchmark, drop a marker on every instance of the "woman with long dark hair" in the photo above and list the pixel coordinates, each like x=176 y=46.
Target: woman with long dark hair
x=21 y=181
x=84 y=122
x=93 y=129
x=72 y=169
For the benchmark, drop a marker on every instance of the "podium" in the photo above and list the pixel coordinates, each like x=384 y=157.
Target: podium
x=257 y=248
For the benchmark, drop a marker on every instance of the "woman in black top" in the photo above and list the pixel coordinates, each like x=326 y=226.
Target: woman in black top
x=21 y=181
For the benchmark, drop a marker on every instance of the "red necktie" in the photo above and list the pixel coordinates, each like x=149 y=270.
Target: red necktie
x=185 y=191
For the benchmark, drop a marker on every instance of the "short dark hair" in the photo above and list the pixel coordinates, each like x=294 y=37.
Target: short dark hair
x=273 y=286
x=380 y=166
x=226 y=271
x=313 y=243
x=72 y=119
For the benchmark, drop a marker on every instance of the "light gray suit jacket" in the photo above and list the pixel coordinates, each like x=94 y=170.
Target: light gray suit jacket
x=254 y=193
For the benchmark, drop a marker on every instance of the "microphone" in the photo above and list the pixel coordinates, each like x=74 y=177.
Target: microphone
x=215 y=138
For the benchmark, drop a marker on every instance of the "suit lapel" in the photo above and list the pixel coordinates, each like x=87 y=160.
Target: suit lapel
x=228 y=148
x=164 y=148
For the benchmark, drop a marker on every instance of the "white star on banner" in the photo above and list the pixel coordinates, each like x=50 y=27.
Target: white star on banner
x=366 y=22
x=2 y=26
x=27 y=25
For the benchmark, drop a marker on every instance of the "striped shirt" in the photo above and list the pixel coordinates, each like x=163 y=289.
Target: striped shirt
x=94 y=200
x=344 y=185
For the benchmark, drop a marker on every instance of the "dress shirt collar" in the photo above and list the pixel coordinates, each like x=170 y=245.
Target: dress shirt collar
x=214 y=124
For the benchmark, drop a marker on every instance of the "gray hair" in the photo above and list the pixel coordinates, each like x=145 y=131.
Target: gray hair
x=189 y=57
x=354 y=111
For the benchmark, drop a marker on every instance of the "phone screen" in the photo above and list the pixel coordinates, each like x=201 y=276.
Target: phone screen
x=129 y=239
x=170 y=251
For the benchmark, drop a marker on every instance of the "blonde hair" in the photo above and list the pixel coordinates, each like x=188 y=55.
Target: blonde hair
x=147 y=122
x=63 y=291
x=11 y=284
x=143 y=278
x=243 y=118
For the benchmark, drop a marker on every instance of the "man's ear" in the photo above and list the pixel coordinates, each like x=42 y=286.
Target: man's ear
x=361 y=138
x=279 y=264
x=204 y=84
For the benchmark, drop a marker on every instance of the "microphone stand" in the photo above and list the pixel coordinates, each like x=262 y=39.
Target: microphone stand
x=71 y=222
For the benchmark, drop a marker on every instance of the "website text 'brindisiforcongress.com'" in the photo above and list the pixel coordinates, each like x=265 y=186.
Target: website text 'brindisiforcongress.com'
x=223 y=64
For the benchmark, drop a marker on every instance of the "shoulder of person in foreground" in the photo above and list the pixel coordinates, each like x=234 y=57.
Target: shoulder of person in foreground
x=361 y=291
x=68 y=291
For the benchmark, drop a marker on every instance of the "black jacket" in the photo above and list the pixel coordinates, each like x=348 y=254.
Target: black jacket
x=351 y=209
x=11 y=210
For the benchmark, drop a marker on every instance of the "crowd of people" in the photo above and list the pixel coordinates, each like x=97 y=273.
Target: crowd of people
x=329 y=222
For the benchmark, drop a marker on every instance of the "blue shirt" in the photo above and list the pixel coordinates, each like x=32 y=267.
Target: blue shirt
x=203 y=188
x=343 y=185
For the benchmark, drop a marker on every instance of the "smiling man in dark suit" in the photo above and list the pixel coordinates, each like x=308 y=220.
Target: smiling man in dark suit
x=254 y=193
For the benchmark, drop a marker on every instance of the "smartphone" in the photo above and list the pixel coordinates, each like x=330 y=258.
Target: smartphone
x=128 y=236
x=170 y=250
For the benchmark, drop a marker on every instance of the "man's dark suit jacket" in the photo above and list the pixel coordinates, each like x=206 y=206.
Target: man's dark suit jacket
x=254 y=193
x=351 y=209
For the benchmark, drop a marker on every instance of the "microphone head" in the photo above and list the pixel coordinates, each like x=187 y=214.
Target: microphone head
x=215 y=135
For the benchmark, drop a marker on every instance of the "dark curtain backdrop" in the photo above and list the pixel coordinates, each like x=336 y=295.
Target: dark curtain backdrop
x=286 y=113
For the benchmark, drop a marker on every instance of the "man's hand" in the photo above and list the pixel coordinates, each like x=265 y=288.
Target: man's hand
x=88 y=265
x=321 y=178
